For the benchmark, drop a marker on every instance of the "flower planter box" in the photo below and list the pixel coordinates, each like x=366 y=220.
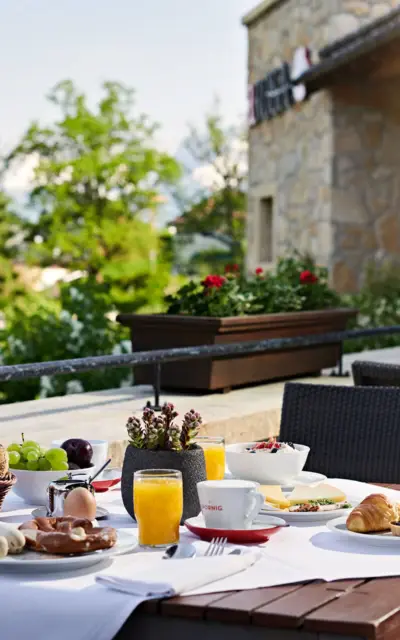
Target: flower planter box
x=149 y=332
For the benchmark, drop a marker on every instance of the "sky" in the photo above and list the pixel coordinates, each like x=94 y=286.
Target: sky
x=177 y=54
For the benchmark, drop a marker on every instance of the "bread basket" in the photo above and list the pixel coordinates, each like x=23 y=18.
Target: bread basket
x=6 y=485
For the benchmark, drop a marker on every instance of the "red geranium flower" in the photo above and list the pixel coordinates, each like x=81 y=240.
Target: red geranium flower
x=308 y=277
x=232 y=268
x=213 y=282
x=259 y=271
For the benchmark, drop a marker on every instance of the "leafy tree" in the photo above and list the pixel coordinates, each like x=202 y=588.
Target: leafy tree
x=98 y=179
x=10 y=227
x=218 y=211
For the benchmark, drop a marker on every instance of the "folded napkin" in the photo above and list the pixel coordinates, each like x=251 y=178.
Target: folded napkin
x=153 y=577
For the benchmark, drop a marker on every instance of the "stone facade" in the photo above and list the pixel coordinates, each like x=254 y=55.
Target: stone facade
x=332 y=164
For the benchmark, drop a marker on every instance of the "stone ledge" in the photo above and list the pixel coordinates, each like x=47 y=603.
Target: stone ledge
x=240 y=416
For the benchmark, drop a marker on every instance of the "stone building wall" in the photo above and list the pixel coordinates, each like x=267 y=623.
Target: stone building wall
x=366 y=180
x=295 y=158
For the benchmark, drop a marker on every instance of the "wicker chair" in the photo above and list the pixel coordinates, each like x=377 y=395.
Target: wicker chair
x=375 y=374
x=353 y=432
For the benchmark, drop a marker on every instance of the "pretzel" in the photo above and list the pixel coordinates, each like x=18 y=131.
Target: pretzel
x=66 y=535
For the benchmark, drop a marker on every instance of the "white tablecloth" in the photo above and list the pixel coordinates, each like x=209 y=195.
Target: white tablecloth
x=34 y=605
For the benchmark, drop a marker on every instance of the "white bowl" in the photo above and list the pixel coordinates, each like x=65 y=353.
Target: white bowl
x=265 y=468
x=31 y=486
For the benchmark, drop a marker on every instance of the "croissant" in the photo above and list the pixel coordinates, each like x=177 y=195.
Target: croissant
x=373 y=514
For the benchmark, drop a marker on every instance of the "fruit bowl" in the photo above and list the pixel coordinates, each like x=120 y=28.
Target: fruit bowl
x=31 y=486
x=265 y=468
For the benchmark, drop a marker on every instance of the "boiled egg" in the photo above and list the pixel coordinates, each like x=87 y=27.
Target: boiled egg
x=80 y=503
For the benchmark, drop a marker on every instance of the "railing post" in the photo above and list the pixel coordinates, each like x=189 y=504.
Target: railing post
x=340 y=365
x=157 y=387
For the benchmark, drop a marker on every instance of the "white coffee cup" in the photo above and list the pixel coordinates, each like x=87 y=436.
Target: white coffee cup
x=100 y=451
x=229 y=504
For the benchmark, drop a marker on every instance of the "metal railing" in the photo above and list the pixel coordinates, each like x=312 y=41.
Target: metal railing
x=161 y=356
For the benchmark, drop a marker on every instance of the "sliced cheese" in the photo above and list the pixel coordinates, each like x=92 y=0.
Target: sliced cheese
x=302 y=494
x=274 y=495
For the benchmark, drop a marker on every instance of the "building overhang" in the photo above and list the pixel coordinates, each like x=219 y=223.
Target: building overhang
x=367 y=50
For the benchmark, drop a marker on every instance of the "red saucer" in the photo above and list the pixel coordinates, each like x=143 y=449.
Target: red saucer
x=110 y=477
x=101 y=486
x=258 y=532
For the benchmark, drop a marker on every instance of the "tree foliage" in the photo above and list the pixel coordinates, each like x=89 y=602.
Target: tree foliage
x=217 y=211
x=98 y=180
x=10 y=229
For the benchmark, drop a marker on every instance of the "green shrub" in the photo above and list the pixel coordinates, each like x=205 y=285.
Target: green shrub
x=379 y=306
x=77 y=326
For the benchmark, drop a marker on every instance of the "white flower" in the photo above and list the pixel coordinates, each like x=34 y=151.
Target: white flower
x=74 y=386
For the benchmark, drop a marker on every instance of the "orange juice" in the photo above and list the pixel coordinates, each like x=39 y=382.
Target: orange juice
x=215 y=461
x=158 y=503
x=214 y=456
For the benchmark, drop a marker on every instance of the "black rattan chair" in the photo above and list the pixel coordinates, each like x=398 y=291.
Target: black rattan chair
x=353 y=432
x=376 y=374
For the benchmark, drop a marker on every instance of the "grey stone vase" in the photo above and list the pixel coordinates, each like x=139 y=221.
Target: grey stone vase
x=191 y=464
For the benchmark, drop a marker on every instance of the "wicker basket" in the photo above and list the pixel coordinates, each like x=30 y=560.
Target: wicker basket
x=6 y=485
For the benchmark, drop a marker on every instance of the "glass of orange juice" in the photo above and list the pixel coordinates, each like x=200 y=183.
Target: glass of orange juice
x=214 y=454
x=158 y=504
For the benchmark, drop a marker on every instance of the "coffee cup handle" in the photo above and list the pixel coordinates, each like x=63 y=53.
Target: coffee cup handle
x=256 y=502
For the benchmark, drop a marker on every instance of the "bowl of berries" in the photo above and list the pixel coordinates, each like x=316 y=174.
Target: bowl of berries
x=269 y=462
x=35 y=467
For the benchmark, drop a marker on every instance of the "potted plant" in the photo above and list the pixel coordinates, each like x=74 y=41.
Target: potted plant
x=294 y=299
x=157 y=442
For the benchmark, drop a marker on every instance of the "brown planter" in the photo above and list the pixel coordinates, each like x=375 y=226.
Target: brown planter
x=149 y=332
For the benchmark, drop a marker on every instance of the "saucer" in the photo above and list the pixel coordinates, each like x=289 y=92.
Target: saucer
x=305 y=477
x=41 y=512
x=259 y=531
x=109 y=478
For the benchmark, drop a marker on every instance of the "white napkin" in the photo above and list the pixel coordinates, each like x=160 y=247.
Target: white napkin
x=153 y=577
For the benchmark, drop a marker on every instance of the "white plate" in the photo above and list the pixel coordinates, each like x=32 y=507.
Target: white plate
x=383 y=539
x=305 y=477
x=41 y=512
x=32 y=560
x=293 y=517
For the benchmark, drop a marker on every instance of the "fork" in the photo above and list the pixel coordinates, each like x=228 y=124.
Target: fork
x=216 y=547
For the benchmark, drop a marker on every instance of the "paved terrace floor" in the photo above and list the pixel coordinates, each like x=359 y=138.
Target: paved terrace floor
x=242 y=415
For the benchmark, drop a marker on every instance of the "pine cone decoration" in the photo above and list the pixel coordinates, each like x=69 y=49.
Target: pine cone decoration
x=3 y=463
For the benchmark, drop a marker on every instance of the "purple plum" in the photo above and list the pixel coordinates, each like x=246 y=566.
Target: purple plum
x=79 y=452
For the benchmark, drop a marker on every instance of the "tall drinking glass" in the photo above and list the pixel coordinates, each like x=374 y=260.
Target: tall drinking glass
x=158 y=504
x=214 y=454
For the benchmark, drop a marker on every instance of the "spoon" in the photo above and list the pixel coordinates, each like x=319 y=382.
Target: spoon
x=100 y=470
x=179 y=551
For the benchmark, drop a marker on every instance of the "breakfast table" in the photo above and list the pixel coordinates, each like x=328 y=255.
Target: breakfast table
x=361 y=608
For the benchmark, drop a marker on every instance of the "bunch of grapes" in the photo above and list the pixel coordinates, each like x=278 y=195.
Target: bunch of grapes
x=29 y=455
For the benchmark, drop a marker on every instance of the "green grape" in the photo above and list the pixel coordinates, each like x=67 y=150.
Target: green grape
x=20 y=465
x=32 y=456
x=26 y=450
x=13 y=458
x=59 y=466
x=44 y=465
x=31 y=444
x=42 y=451
x=32 y=465
x=56 y=455
x=14 y=447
